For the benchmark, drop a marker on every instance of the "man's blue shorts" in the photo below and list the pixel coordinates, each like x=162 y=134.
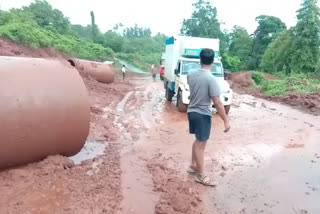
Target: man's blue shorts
x=200 y=125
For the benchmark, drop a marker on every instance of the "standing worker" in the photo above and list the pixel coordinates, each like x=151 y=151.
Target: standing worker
x=153 y=72
x=203 y=90
x=123 y=71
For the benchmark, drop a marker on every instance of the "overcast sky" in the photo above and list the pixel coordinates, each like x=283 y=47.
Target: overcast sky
x=166 y=16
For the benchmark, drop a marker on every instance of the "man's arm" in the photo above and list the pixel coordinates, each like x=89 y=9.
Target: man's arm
x=222 y=113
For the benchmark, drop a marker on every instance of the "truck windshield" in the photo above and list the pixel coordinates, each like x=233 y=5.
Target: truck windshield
x=188 y=66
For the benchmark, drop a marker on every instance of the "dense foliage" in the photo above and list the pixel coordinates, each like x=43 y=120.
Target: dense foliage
x=291 y=54
x=294 y=83
x=204 y=23
x=297 y=50
x=40 y=25
x=272 y=48
x=269 y=29
x=240 y=48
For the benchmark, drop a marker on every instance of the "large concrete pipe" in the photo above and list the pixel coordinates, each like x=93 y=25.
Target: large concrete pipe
x=44 y=110
x=100 y=71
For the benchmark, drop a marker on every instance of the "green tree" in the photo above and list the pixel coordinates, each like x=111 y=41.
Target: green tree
x=278 y=54
x=204 y=23
x=94 y=28
x=136 y=32
x=232 y=63
x=240 y=45
x=47 y=17
x=81 y=31
x=113 y=40
x=269 y=28
x=306 y=42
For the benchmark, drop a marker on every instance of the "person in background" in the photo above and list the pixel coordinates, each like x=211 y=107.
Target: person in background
x=203 y=91
x=153 y=72
x=123 y=72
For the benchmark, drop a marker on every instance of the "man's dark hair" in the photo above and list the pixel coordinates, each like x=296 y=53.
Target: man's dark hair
x=206 y=56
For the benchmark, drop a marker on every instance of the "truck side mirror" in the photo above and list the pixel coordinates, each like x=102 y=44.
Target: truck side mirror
x=176 y=71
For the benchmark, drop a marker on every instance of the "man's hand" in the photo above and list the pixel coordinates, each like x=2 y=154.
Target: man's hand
x=222 y=113
x=226 y=126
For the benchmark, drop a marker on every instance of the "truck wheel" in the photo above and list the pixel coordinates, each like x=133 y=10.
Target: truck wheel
x=169 y=94
x=180 y=105
x=227 y=109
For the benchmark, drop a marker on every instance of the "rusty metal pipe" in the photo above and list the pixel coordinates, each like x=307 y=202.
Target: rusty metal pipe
x=44 y=110
x=101 y=72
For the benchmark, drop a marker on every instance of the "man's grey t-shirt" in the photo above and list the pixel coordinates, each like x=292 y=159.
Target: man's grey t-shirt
x=203 y=86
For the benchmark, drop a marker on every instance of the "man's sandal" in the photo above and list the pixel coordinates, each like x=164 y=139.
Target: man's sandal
x=205 y=180
x=192 y=171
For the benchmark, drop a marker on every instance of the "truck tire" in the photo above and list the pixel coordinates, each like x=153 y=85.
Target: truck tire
x=227 y=109
x=169 y=94
x=180 y=105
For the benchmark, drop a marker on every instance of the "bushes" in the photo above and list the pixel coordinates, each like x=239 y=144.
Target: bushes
x=39 y=25
x=19 y=27
x=294 y=83
x=257 y=77
x=233 y=63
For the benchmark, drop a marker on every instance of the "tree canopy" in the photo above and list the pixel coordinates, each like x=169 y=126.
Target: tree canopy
x=297 y=50
x=269 y=28
x=204 y=23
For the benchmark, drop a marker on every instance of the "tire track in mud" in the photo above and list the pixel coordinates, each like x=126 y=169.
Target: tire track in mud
x=148 y=185
x=137 y=186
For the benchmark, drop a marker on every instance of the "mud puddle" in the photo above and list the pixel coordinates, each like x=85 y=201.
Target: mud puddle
x=91 y=150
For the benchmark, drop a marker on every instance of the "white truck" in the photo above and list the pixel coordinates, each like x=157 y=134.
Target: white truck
x=183 y=55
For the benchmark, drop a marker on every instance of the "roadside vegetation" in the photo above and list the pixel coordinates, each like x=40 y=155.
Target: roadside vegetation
x=39 y=25
x=291 y=55
x=281 y=84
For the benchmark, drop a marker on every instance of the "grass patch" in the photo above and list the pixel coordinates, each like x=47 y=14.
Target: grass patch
x=294 y=83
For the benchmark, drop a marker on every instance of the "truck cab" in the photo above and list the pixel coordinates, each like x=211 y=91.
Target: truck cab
x=182 y=57
x=184 y=67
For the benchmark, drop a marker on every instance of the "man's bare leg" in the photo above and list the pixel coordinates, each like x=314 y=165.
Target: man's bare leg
x=199 y=155
x=193 y=162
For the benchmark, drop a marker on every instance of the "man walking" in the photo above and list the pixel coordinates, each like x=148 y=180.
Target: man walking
x=203 y=90
x=123 y=72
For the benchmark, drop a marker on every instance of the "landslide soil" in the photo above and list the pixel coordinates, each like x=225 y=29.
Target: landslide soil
x=8 y=48
x=242 y=83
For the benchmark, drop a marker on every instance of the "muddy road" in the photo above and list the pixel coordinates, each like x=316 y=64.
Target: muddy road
x=139 y=148
x=268 y=163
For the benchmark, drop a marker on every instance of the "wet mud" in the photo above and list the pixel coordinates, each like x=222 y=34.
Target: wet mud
x=139 y=148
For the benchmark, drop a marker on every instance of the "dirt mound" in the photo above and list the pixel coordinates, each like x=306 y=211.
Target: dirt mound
x=242 y=83
x=309 y=103
x=8 y=48
x=177 y=195
x=241 y=79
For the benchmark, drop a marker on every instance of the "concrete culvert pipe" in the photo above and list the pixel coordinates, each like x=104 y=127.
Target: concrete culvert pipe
x=44 y=110
x=103 y=73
